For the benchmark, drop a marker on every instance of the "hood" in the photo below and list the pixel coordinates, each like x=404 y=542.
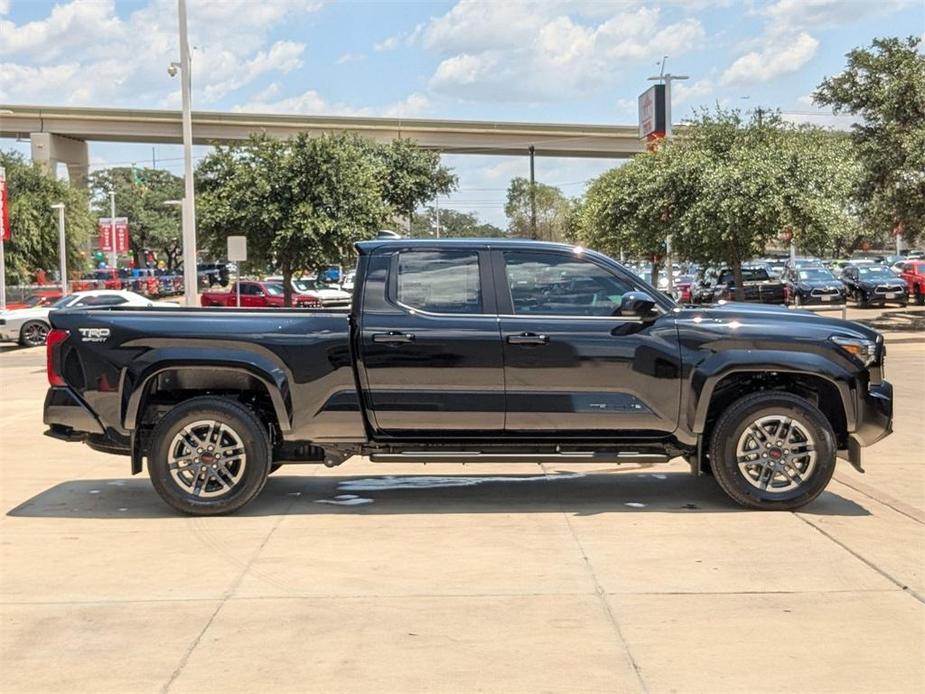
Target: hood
x=886 y=281
x=821 y=284
x=25 y=313
x=769 y=320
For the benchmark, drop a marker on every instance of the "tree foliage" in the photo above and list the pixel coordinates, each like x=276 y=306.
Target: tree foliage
x=33 y=245
x=724 y=190
x=140 y=196
x=413 y=176
x=301 y=202
x=885 y=85
x=453 y=224
x=552 y=210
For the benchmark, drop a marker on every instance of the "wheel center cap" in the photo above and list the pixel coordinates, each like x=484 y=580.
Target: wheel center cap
x=207 y=458
x=776 y=453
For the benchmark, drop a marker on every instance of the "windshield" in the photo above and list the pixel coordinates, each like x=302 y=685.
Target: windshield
x=306 y=285
x=749 y=274
x=876 y=273
x=816 y=273
x=273 y=289
x=64 y=301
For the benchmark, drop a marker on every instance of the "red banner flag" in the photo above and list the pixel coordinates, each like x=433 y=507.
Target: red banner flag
x=121 y=234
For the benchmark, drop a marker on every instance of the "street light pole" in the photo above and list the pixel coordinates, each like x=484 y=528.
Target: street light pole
x=190 y=284
x=668 y=79
x=62 y=247
x=113 y=257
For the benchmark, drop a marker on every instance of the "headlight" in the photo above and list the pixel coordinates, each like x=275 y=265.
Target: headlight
x=864 y=350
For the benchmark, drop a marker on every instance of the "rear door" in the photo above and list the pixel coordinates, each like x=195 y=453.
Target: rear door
x=429 y=342
x=573 y=365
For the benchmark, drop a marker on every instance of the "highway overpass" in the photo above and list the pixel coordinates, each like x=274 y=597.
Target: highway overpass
x=60 y=134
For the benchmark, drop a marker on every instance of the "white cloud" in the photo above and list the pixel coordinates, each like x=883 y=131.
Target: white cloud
x=388 y=44
x=350 y=58
x=529 y=51
x=682 y=92
x=781 y=55
x=123 y=58
x=797 y=15
x=311 y=102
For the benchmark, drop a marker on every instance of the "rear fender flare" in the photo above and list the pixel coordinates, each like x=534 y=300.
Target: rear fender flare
x=138 y=375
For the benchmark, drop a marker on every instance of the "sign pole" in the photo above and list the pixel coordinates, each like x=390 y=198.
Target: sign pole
x=237 y=252
x=4 y=235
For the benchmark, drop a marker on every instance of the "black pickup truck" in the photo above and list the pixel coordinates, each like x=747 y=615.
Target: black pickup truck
x=471 y=351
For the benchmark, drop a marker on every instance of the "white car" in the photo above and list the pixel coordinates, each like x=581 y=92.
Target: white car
x=329 y=295
x=349 y=280
x=29 y=326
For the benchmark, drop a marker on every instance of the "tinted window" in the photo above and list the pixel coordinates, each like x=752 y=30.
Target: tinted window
x=815 y=273
x=250 y=289
x=749 y=274
x=440 y=281
x=562 y=285
x=105 y=300
x=273 y=289
x=875 y=273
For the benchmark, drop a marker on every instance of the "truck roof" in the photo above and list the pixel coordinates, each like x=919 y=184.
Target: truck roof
x=370 y=246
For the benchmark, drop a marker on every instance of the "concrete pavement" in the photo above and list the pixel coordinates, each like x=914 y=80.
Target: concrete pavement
x=456 y=579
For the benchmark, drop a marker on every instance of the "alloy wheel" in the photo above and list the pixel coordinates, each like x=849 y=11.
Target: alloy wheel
x=207 y=458
x=776 y=453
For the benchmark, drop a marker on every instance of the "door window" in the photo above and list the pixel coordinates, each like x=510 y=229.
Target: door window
x=250 y=290
x=561 y=285
x=440 y=281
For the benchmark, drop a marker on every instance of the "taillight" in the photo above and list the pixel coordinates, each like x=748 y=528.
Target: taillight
x=55 y=337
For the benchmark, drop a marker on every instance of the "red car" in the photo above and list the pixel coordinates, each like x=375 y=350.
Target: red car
x=37 y=300
x=913 y=275
x=257 y=295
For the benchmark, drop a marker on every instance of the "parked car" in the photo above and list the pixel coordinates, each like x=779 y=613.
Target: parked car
x=470 y=350
x=257 y=295
x=757 y=283
x=813 y=285
x=913 y=274
x=682 y=288
x=29 y=326
x=36 y=300
x=349 y=280
x=873 y=285
x=327 y=295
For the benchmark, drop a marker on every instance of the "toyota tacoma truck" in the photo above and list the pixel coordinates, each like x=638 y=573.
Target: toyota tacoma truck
x=471 y=351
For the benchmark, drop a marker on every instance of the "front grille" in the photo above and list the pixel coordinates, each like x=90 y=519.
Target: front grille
x=828 y=291
x=884 y=289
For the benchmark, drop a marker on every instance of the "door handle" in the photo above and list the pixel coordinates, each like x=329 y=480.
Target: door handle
x=393 y=338
x=528 y=339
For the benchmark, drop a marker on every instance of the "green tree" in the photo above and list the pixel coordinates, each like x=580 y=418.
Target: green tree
x=300 y=202
x=140 y=196
x=552 y=210
x=33 y=244
x=724 y=190
x=453 y=224
x=413 y=176
x=885 y=85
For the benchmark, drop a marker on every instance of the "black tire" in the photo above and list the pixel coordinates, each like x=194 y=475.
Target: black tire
x=33 y=333
x=731 y=428
x=241 y=429
x=859 y=298
x=919 y=297
x=275 y=467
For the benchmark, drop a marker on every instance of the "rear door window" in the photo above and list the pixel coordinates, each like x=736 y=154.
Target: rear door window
x=439 y=281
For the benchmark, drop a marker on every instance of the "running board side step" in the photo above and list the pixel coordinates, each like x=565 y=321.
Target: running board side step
x=481 y=457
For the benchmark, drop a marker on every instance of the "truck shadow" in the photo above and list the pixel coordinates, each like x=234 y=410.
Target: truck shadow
x=576 y=493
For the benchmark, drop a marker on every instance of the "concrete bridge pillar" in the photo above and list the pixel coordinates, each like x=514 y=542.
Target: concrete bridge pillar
x=48 y=150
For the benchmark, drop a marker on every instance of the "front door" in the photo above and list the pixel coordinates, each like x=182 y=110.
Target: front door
x=431 y=350
x=573 y=365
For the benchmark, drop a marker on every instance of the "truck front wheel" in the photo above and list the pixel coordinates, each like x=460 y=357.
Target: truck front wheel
x=773 y=451
x=209 y=456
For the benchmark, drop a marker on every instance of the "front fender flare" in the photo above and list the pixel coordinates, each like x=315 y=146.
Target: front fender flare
x=710 y=372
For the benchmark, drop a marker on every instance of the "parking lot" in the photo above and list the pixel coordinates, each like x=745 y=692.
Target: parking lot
x=393 y=578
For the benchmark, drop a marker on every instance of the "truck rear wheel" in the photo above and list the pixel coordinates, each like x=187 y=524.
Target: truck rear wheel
x=773 y=451
x=209 y=456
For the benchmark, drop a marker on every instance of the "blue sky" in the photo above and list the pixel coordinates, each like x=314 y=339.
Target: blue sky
x=555 y=61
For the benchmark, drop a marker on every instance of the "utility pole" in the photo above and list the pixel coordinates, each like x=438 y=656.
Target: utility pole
x=437 y=212
x=62 y=248
x=188 y=210
x=532 y=194
x=667 y=79
x=113 y=258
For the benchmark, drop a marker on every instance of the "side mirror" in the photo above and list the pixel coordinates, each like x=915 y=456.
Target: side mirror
x=637 y=304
